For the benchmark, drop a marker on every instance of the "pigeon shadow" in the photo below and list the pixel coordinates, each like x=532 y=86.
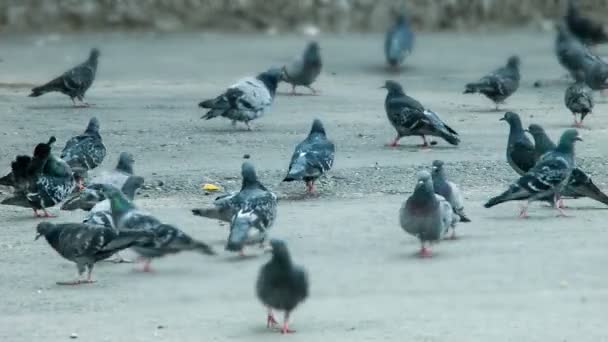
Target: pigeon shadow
x=55 y=106
x=487 y=110
x=289 y=94
x=388 y=70
x=238 y=258
x=417 y=148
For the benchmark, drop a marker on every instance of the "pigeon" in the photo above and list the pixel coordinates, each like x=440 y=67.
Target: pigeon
x=84 y=152
x=499 y=84
x=312 y=157
x=584 y=28
x=100 y=212
x=281 y=285
x=409 y=117
x=168 y=239
x=580 y=184
x=304 y=70
x=246 y=100
x=41 y=181
x=118 y=177
x=399 y=42
x=74 y=82
x=449 y=191
x=579 y=100
x=548 y=177
x=253 y=207
x=426 y=215
x=520 y=150
x=85 y=245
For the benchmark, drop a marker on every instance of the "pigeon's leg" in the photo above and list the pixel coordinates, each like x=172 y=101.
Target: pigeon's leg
x=314 y=92
x=285 y=329
x=425 y=143
x=233 y=123
x=36 y=213
x=46 y=214
x=558 y=204
x=271 y=322
x=146 y=267
x=79 y=280
x=523 y=213
x=394 y=142
x=73 y=102
x=425 y=252
x=293 y=89
x=453 y=234
x=118 y=259
x=496 y=108
x=310 y=187
x=242 y=253
x=83 y=103
x=248 y=127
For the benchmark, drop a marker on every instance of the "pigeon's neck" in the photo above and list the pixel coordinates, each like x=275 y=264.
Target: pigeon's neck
x=516 y=131
x=271 y=83
x=423 y=197
x=52 y=238
x=282 y=260
x=125 y=167
x=120 y=205
x=543 y=143
x=565 y=147
x=37 y=165
x=439 y=178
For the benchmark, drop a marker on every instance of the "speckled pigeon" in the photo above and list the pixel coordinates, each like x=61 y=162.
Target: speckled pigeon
x=304 y=70
x=520 y=150
x=312 y=157
x=579 y=100
x=426 y=215
x=580 y=62
x=281 y=285
x=409 y=117
x=448 y=190
x=584 y=28
x=246 y=100
x=74 y=82
x=254 y=207
x=85 y=245
x=547 y=178
x=84 y=152
x=168 y=239
x=499 y=84
x=399 y=42
x=41 y=181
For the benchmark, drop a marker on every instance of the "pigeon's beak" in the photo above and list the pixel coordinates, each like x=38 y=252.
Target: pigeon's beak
x=502 y=119
x=37 y=236
x=527 y=130
x=578 y=139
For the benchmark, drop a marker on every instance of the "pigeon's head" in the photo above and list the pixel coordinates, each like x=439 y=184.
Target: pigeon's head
x=125 y=162
x=393 y=87
x=317 y=127
x=44 y=229
x=511 y=118
x=93 y=126
x=279 y=249
x=535 y=129
x=437 y=166
x=513 y=62
x=249 y=175
x=94 y=54
x=401 y=19
x=569 y=137
x=271 y=78
x=425 y=181
x=43 y=150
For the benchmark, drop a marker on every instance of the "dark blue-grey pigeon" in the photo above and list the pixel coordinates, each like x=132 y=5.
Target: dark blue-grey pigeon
x=74 y=82
x=520 y=149
x=85 y=245
x=448 y=190
x=499 y=84
x=168 y=239
x=410 y=118
x=426 y=215
x=84 y=152
x=584 y=28
x=251 y=210
x=547 y=178
x=579 y=100
x=399 y=42
x=41 y=181
x=101 y=212
x=305 y=69
x=246 y=100
x=281 y=285
x=312 y=157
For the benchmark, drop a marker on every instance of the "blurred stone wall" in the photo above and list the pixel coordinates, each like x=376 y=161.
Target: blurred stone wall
x=276 y=15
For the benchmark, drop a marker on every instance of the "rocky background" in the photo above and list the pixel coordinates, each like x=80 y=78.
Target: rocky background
x=276 y=15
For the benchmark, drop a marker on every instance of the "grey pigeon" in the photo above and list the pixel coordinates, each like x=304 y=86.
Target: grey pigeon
x=84 y=152
x=584 y=28
x=101 y=213
x=547 y=178
x=41 y=181
x=399 y=42
x=312 y=157
x=253 y=207
x=499 y=84
x=118 y=177
x=246 y=100
x=520 y=150
x=85 y=245
x=426 y=215
x=281 y=285
x=448 y=190
x=304 y=70
x=74 y=82
x=580 y=62
x=580 y=184
x=579 y=100
x=167 y=239
x=409 y=117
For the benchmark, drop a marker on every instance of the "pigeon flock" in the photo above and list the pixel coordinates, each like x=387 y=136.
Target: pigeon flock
x=546 y=171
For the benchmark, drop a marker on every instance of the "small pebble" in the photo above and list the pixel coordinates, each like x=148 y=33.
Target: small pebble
x=74 y=336
x=246 y=156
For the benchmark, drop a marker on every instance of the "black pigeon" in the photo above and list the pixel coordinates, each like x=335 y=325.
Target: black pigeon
x=520 y=150
x=399 y=42
x=580 y=184
x=84 y=152
x=85 y=245
x=499 y=84
x=246 y=100
x=586 y=29
x=305 y=69
x=253 y=207
x=41 y=181
x=167 y=239
x=74 y=82
x=281 y=285
x=547 y=178
x=448 y=190
x=409 y=117
x=312 y=157
x=579 y=100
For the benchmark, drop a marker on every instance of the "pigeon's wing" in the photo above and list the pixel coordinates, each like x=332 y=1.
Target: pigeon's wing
x=254 y=96
x=546 y=175
x=456 y=199
x=50 y=190
x=263 y=203
x=295 y=68
x=137 y=220
x=523 y=156
x=437 y=123
x=79 y=79
x=312 y=158
x=85 y=151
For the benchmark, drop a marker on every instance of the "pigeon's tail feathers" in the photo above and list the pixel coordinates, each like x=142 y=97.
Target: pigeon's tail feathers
x=450 y=137
x=129 y=238
x=212 y=213
x=239 y=230
x=297 y=169
x=208 y=103
x=7 y=180
x=53 y=85
x=20 y=166
x=18 y=201
x=202 y=248
x=463 y=216
x=514 y=192
x=592 y=191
